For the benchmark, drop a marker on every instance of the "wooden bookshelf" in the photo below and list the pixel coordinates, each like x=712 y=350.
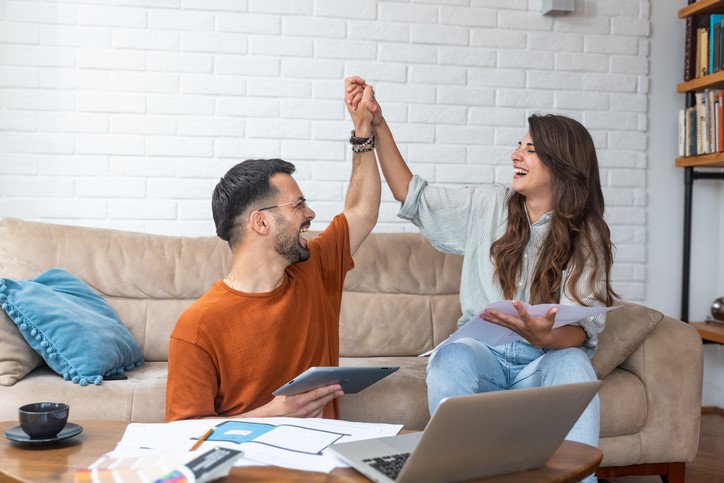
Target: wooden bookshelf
x=711 y=81
x=713 y=160
x=711 y=331
x=701 y=6
x=698 y=168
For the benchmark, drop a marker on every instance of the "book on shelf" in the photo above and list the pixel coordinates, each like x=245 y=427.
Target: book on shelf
x=690 y=50
x=714 y=38
x=701 y=125
x=702 y=52
x=710 y=101
x=690 y=131
x=700 y=130
x=719 y=55
x=714 y=124
x=715 y=20
x=682 y=133
x=720 y=121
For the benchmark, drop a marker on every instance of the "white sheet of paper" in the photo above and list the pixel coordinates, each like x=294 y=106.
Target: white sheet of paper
x=493 y=334
x=140 y=438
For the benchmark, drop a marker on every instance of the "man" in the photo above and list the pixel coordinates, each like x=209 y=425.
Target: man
x=276 y=313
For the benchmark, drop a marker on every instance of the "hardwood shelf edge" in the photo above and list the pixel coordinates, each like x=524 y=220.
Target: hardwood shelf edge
x=713 y=160
x=712 y=80
x=712 y=410
x=711 y=331
x=700 y=6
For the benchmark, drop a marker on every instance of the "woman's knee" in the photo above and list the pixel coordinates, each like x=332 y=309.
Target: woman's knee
x=461 y=355
x=450 y=356
x=571 y=361
x=570 y=355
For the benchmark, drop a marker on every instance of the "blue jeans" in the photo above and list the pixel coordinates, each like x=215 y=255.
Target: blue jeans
x=468 y=366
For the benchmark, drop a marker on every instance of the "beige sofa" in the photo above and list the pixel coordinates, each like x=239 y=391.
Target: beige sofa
x=400 y=301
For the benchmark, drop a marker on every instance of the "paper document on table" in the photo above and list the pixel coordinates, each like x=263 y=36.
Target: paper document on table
x=297 y=443
x=494 y=334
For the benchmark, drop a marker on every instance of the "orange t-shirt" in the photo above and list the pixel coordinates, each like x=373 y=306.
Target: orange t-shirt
x=230 y=350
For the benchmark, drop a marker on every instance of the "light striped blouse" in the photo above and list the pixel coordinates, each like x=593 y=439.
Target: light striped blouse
x=466 y=221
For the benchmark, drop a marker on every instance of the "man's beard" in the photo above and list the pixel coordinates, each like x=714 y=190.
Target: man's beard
x=286 y=242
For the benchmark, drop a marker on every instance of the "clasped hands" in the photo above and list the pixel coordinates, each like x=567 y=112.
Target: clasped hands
x=359 y=97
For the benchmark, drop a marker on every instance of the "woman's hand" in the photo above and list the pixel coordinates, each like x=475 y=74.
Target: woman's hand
x=357 y=93
x=536 y=330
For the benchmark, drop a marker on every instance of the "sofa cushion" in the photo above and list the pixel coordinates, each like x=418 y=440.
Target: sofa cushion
x=140 y=398
x=17 y=358
x=623 y=404
x=401 y=299
x=400 y=398
x=70 y=326
x=626 y=328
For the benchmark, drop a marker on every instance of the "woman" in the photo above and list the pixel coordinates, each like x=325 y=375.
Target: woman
x=543 y=240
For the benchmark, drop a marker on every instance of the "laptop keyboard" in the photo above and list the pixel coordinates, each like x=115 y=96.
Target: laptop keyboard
x=390 y=465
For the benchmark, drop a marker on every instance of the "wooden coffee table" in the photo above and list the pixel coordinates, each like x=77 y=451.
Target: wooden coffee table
x=22 y=463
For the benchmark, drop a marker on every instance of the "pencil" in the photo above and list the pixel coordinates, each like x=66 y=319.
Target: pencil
x=202 y=439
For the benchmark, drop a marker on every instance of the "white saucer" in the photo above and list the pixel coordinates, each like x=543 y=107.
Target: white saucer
x=17 y=434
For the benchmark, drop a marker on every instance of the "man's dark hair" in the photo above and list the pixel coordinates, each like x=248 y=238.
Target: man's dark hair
x=244 y=186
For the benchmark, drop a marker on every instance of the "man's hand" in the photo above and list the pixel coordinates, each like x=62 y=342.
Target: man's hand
x=306 y=405
x=536 y=330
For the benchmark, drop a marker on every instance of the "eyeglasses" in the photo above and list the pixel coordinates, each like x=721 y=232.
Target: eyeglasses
x=302 y=203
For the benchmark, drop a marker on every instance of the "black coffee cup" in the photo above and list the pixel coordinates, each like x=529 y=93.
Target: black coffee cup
x=43 y=420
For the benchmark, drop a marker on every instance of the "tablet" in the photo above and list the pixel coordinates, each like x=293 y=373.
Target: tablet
x=352 y=379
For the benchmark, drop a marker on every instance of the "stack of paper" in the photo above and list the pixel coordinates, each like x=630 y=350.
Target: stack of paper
x=296 y=443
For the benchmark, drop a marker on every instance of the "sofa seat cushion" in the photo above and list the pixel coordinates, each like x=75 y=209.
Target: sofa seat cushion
x=623 y=404
x=140 y=398
x=400 y=398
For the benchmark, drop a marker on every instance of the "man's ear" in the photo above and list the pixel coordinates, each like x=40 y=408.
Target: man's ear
x=258 y=222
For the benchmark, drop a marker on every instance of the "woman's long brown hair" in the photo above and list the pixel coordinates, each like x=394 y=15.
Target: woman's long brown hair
x=578 y=235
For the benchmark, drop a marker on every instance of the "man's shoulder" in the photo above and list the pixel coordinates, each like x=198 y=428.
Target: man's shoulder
x=204 y=309
x=329 y=250
x=337 y=227
x=336 y=232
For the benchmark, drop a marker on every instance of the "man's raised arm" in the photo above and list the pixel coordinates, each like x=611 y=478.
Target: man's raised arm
x=362 y=204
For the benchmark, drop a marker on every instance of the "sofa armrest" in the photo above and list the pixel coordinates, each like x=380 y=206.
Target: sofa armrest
x=670 y=363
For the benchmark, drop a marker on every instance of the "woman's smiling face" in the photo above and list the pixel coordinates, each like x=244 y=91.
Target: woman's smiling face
x=531 y=177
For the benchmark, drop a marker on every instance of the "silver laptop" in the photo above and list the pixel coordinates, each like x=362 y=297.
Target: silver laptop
x=476 y=436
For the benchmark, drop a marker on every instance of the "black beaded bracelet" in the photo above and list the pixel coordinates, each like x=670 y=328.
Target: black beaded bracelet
x=363 y=148
x=355 y=140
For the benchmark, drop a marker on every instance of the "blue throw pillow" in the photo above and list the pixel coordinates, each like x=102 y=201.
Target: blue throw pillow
x=73 y=328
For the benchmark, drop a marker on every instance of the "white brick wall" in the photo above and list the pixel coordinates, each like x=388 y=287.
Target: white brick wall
x=124 y=114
